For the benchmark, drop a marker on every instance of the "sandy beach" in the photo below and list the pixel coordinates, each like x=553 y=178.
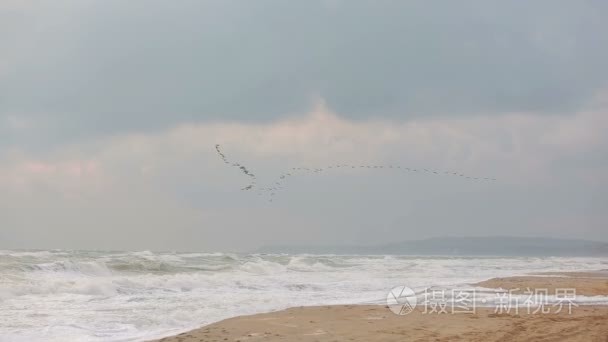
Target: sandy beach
x=585 y=283
x=379 y=323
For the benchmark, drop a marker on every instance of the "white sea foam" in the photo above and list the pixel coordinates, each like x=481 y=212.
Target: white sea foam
x=132 y=296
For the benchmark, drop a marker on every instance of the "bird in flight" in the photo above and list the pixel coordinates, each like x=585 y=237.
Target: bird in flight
x=279 y=183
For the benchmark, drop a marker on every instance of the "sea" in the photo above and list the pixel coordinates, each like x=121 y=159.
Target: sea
x=62 y=295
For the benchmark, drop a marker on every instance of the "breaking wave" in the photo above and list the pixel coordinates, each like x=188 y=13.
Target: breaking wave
x=130 y=296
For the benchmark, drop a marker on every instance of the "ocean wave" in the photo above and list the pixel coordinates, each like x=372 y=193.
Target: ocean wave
x=87 y=268
x=111 y=296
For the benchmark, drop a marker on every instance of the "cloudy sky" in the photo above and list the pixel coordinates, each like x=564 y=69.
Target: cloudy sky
x=110 y=110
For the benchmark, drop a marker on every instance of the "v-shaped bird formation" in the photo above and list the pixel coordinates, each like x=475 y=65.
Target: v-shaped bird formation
x=279 y=183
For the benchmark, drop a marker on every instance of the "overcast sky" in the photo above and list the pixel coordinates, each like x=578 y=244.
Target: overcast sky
x=110 y=111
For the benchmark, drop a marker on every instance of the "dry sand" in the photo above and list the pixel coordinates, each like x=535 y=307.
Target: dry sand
x=378 y=323
x=585 y=283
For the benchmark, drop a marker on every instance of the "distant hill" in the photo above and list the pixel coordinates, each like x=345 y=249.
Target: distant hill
x=453 y=246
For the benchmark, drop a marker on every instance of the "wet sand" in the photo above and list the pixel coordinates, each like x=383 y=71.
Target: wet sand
x=378 y=323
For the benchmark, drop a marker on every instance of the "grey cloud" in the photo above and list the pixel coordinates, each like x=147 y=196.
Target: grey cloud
x=84 y=75
x=106 y=67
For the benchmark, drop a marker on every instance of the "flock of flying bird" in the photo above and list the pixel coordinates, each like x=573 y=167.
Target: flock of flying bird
x=241 y=167
x=278 y=184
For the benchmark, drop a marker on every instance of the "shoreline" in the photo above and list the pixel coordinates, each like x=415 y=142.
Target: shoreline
x=379 y=323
